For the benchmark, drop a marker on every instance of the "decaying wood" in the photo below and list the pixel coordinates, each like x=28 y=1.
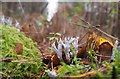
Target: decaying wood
x=105 y=51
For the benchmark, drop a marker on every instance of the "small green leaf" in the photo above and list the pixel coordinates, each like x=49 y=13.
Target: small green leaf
x=58 y=34
x=51 y=33
x=51 y=38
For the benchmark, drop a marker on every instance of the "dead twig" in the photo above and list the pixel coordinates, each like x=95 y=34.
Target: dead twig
x=107 y=34
x=87 y=74
x=88 y=26
x=12 y=74
x=23 y=12
x=7 y=69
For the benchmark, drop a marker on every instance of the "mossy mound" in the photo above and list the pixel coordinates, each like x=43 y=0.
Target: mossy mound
x=19 y=54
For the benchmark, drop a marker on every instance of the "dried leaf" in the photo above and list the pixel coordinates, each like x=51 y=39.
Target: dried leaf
x=19 y=48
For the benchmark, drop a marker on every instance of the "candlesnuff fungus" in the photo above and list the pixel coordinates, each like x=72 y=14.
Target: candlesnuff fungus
x=57 y=51
x=75 y=45
x=9 y=21
x=63 y=48
x=2 y=19
x=113 y=51
x=6 y=21
x=51 y=73
x=17 y=24
x=60 y=49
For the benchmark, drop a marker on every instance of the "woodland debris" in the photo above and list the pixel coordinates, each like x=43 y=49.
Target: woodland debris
x=51 y=73
x=87 y=74
x=19 y=48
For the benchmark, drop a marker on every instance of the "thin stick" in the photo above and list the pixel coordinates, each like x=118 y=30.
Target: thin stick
x=21 y=7
x=87 y=74
x=107 y=34
x=90 y=26
x=83 y=36
x=15 y=69
x=7 y=69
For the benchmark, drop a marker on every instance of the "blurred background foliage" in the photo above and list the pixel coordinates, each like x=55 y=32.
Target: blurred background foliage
x=105 y=14
x=33 y=20
x=90 y=10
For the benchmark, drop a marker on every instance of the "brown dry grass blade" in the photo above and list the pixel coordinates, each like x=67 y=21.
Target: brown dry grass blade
x=86 y=74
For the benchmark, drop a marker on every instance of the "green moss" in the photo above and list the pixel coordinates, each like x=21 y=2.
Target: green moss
x=9 y=37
